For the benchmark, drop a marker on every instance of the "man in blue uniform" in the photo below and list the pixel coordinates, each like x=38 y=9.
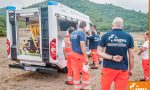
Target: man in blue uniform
x=79 y=59
x=94 y=40
x=115 y=64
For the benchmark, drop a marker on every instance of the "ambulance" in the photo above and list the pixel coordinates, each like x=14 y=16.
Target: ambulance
x=35 y=36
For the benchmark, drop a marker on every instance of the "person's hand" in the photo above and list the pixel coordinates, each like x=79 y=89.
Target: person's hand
x=130 y=72
x=65 y=58
x=85 y=67
x=139 y=53
x=117 y=58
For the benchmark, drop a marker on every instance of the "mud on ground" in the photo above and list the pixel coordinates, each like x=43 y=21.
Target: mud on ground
x=15 y=79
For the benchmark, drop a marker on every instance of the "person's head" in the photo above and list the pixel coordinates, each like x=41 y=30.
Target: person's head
x=70 y=30
x=82 y=25
x=99 y=33
x=117 y=23
x=93 y=32
x=94 y=27
x=146 y=35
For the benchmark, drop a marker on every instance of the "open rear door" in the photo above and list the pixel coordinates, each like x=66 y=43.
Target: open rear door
x=11 y=32
x=28 y=29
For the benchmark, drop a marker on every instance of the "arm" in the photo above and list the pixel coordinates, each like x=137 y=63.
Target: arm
x=101 y=52
x=142 y=50
x=104 y=55
x=82 y=39
x=131 y=61
x=89 y=37
x=131 y=55
x=144 y=47
x=64 y=51
x=82 y=45
x=63 y=46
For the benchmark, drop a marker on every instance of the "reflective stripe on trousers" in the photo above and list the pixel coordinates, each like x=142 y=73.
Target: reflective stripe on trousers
x=70 y=78
x=86 y=85
x=77 y=85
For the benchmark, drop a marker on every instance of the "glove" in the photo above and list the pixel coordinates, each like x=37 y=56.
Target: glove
x=86 y=68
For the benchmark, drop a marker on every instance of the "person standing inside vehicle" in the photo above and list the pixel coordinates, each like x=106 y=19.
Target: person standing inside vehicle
x=79 y=59
x=115 y=64
x=144 y=50
x=93 y=44
x=67 y=49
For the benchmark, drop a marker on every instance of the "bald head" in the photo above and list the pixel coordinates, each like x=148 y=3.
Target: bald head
x=117 y=23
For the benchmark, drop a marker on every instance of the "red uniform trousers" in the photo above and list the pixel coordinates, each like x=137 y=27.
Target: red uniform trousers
x=95 y=56
x=119 y=77
x=69 y=67
x=145 y=65
x=77 y=67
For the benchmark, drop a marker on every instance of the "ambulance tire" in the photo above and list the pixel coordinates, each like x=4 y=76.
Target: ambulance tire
x=64 y=70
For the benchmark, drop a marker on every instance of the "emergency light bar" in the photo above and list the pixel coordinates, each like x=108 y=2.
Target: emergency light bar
x=52 y=3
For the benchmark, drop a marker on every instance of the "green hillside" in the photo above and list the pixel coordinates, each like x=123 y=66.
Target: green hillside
x=2 y=11
x=102 y=14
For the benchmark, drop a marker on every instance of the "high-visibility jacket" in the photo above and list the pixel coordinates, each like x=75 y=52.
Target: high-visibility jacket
x=68 y=47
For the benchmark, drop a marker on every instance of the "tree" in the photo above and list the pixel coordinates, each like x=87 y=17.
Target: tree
x=2 y=26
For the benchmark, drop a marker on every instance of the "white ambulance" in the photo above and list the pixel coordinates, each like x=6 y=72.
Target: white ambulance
x=35 y=35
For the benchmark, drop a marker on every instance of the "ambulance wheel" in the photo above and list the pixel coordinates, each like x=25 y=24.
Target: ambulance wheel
x=64 y=70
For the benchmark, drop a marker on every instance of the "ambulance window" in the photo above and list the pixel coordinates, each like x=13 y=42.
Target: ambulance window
x=63 y=25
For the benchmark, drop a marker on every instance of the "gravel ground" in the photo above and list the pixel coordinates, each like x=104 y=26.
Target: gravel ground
x=15 y=79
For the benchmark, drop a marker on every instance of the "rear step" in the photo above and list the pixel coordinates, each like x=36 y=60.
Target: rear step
x=33 y=68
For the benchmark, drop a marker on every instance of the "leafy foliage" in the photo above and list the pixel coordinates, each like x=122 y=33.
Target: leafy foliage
x=2 y=11
x=2 y=26
x=102 y=14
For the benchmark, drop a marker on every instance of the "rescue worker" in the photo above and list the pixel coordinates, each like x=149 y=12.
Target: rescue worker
x=115 y=64
x=79 y=59
x=145 y=56
x=67 y=53
x=93 y=44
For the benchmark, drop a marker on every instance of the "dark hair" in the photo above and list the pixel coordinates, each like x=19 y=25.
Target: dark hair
x=147 y=33
x=94 y=26
x=71 y=29
x=99 y=33
x=82 y=24
x=87 y=33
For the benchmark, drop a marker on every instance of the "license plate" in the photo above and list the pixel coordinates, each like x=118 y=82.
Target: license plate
x=30 y=68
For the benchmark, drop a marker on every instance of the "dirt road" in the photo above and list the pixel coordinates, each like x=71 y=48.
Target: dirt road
x=15 y=79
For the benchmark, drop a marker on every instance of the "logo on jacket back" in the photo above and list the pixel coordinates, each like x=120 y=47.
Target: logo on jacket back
x=96 y=39
x=133 y=86
x=74 y=36
x=116 y=42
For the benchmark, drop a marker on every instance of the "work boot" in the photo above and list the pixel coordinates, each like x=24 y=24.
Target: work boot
x=94 y=67
x=69 y=82
x=142 y=79
x=92 y=64
x=100 y=62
